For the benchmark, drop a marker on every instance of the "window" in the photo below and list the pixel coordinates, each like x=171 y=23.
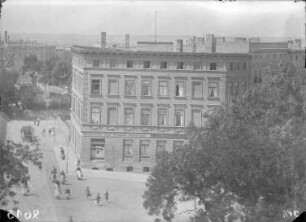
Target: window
x=244 y=66
x=213 y=90
x=113 y=87
x=180 y=89
x=160 y=147
x=146 y=64
x=177 y=145
x=97 y=148
x=163 y=88
x=196 y=117
x=162 y=116
x=128 y=116
x=212 y=66
x=244 y=86
x=130 y=87
x=236 y=88
x=112 y=116
x=146 y=169
x=112 y=63
x=95 y=115
x=145 y=117
x=197 y=66
x=95 y=86
x=180 y=65
x=127 y=150
x=96 y=63
x=129 y=64
x=146 y=89
x=197 y=89
x=129 y=169
x=163 y=65
x=144 y=149
x=179 y=118
x=231 y=89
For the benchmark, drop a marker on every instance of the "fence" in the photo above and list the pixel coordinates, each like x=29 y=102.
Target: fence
x=52 y=89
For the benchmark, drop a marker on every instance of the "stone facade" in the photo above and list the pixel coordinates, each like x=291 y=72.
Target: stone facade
x=129 y=105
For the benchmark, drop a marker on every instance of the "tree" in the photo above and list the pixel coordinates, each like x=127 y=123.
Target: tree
x=14 y=161
x=31 y=64
x=56 y=72
x=8 y=80
x=247 y=161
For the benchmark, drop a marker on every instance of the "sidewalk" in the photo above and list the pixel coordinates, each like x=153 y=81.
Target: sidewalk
x=62 y=136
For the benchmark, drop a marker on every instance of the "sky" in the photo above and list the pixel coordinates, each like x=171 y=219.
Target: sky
x=119 y=17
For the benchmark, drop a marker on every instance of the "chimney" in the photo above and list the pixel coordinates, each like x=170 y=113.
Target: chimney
x=210 y=43
x=5 y=37
x=179 y=45
x=194 y=44
x=103 y=40
x=127 y=41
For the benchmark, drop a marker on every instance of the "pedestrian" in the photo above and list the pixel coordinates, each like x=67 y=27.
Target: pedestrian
x=63 y=177
x=38 y=121
x=87 y=192
x=34 y=122
x=54 y=173
x=62 y=153
x=25 y=185
x=106 y=195
x=78 y=163
x=67 y=194
x=57 y=193
x=50 y=131
x=98 y=198
x=79 y=173
x=57 y=189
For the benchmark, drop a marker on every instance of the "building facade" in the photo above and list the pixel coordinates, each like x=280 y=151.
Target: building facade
x=127 y=106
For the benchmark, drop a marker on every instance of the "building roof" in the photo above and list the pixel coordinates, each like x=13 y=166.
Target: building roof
x=86 y=49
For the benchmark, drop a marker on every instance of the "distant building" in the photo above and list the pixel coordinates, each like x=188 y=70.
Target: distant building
x=128 y=106
x=17 y=51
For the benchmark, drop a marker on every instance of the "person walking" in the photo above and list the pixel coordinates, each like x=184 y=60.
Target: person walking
x=67 y=194
x=54 y=173
x=79 y=173
x=63 y=177
x=87 y=192
x=106 y=195
x=98 y=198
x=62 y=152
x=57 y=190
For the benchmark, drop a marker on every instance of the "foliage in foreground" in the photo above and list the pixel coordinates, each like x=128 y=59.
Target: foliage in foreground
x=248 y=161
x=14 y=161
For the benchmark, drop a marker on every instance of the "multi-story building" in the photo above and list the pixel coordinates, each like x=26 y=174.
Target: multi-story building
x=127 y=106
x=15 y=52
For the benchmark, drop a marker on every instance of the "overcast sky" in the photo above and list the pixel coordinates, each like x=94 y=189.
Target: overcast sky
x=241 y=18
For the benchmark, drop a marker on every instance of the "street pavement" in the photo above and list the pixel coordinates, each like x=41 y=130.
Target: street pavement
x=126 y=189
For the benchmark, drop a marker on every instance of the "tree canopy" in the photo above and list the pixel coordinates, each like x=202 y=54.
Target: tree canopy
x=14 y=161
x=56 y=72
x=247 y=162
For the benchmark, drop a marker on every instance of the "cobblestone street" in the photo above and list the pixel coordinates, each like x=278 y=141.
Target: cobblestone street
x=126 y=189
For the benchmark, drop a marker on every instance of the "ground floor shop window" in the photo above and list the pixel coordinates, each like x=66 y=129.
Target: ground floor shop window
x=97 y=148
